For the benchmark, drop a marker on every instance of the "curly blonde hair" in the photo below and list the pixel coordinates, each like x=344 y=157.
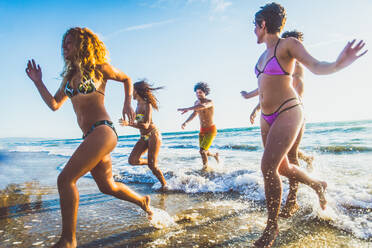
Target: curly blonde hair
x=90 y=52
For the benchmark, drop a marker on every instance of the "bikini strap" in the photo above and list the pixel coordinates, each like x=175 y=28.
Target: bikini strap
x=288 y=100
x=277 y=43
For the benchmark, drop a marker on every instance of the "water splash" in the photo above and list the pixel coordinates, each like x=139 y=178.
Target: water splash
x=161 y=219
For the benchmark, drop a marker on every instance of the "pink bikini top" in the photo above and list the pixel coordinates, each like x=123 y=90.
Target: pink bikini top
x=272 y=66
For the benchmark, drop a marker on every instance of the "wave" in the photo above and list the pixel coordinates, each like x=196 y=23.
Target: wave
x=183 y=147
x=338 y=149
x=241 y=147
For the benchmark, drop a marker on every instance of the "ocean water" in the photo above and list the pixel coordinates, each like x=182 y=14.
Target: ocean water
x=342 y=157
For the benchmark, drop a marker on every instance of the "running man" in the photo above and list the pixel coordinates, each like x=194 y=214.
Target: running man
x=205 y=109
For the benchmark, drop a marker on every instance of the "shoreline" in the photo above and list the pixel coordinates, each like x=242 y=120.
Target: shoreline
x=33 y=219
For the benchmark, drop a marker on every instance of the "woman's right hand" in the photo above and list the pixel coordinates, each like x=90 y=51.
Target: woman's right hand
x=123 y=122
x=33 y=71
x=244 y=94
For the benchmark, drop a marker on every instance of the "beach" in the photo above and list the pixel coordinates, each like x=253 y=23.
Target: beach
x=222 y=208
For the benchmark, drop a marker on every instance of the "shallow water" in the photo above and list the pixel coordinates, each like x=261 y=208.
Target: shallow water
x=223 y=208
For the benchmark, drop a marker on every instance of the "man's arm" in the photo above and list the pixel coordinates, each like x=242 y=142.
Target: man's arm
x=191 y=117
x=197 y=107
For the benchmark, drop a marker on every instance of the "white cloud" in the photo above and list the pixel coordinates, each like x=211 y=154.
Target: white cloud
x=138 y=27
x=219 y=5
x=215 y=5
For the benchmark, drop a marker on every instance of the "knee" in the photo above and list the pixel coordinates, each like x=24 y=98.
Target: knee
x=202 y=152
x=107 y=188
x=268 y=167
x=133 y=161
x=64 y=181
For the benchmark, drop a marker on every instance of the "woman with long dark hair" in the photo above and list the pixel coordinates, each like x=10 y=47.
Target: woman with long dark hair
x=150 y=139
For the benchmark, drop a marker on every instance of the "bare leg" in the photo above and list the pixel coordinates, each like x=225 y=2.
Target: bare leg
x=204 y=156
x=215 y=155
x=154 y=143
x=278 y=139
x=97 y=145
x=102 y=174
x=138 y=150
x=291 y=205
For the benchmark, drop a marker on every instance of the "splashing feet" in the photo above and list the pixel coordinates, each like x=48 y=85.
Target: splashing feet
x=146 y=206
x=320 y=190
x=268 y=237
x=289 y=209
x=216 y=157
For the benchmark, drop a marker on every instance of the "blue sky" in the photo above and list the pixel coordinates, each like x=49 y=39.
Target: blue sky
x=175 y=44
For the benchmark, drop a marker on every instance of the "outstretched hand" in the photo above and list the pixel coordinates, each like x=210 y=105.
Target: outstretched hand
x=244 y=94
x=183 y=110
x=33 y=71
x=350 y=53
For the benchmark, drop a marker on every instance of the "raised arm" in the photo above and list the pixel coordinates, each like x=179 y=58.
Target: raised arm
x=112 y=73
x=250 y=94
x=348 y=55
x=198 y=106
x=192 y=116
x=33 y=71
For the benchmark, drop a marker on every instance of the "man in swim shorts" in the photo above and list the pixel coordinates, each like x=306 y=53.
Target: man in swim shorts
x=204 y=108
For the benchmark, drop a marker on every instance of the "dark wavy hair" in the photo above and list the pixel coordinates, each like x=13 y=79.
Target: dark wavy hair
x=203 y=87
x=144 y=90
x=274 y=16
x=295 y=34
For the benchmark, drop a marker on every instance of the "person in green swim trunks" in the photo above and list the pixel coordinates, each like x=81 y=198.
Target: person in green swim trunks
x=204 y=108
x=150 y=139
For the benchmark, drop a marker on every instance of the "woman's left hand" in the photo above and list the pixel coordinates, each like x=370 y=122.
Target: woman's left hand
x=349 y=54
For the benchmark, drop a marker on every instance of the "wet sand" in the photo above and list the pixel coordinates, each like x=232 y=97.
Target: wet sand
x=30 y=217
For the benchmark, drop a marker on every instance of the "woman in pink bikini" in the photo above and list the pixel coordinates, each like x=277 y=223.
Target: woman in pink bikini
x=280 y=128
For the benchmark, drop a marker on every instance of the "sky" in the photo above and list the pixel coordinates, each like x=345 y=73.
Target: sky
x=177 y=43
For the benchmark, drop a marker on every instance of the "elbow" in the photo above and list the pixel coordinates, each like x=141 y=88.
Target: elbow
x=54 y=107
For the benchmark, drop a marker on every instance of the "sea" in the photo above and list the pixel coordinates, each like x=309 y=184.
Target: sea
x=221 y=208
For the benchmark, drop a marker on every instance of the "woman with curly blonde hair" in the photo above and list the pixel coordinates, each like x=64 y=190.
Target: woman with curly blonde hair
x=85 y=76
x=150 y=139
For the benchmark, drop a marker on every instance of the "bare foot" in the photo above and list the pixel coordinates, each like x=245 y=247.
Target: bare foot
x=217 y=158
x=268 y=237
x=206 y=168
x=164 y=188
x=320 y=190
x=289 y=209
x=146 y=206
x=63 y=243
